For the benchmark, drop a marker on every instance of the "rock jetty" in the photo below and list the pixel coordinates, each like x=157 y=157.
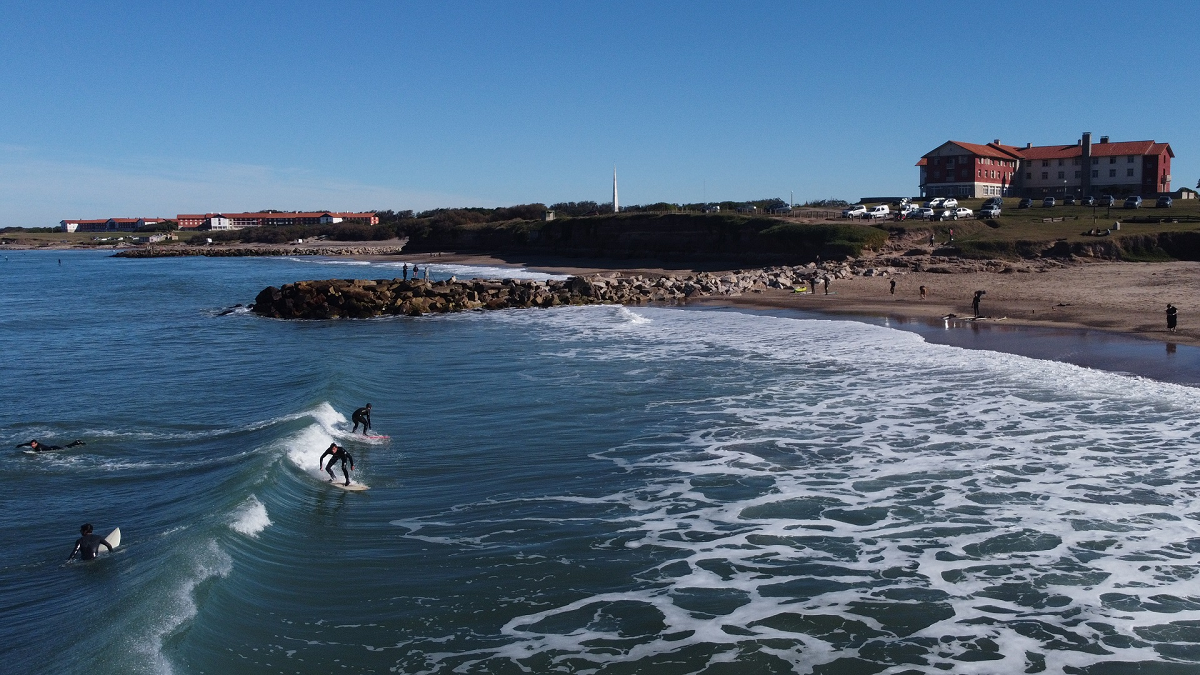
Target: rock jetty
x=360 y=298
x=241 y=251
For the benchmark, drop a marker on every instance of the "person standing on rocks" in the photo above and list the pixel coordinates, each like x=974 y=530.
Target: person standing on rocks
x=416 y=272
x=405 y=269
x=1172 y=317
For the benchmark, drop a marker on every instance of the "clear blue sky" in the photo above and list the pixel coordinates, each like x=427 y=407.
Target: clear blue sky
x=128 y=109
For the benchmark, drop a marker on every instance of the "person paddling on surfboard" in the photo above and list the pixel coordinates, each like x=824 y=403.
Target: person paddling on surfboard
x=88 y=545
x=42 y=447
x=337 y=453
x=362 y=416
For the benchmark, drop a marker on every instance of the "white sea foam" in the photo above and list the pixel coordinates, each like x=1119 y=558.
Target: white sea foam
x=250 y=518
x=854 y=474
x=173 y=609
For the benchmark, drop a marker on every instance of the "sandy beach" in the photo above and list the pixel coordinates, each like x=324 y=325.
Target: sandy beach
x=1120 y=297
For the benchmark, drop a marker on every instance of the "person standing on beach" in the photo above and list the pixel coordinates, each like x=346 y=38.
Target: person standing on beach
x=1172 y=317
x=922 y=292
x=892 y=290
x=337 y=453
x=975 y=302
x=826 y=281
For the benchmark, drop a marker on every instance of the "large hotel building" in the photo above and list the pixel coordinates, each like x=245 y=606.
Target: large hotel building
x=1084 y=168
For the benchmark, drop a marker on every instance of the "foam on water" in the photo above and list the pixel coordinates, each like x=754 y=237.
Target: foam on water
x=877 y=497
x=250 y=518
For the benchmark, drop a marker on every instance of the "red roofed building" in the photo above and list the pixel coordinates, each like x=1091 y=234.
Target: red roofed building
x=236 y=221
x=107 y=224
x=971 y=170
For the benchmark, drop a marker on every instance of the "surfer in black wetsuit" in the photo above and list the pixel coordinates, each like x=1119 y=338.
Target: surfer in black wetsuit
x=88 y=544
x=362 y=416
x=37 y=446
x=337 y=453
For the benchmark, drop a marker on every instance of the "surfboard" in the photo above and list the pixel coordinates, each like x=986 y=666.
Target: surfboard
x=113 y=539
x=353 y=487
x=379 y=438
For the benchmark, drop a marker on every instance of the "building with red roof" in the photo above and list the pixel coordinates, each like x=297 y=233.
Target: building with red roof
x=237 y=221
x=107 y=224
x=961 y=169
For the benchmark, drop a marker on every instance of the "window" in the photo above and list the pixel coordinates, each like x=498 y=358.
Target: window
x=1045 y=175
x=1128 y=172
x=1130 y=159
x=1028 y=175
x=979 y=173
x=950 y=162
x=1045 y=162
x=1112 y=173
x=1062 y=174
x=1095 y=173
x=1095 y=160
x=1112 y=160
x=1077 y=174
x=1060 y=162
x=1075 y=162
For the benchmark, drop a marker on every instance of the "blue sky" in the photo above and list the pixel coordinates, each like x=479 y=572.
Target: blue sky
x=129 y=109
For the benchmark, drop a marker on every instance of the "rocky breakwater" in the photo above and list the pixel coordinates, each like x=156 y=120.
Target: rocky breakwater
x=243 y=251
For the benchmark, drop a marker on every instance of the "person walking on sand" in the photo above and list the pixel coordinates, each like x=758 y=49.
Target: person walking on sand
x=892 y=290
x=826 y=281
x=975 y=302
x=922 y=292
x=1172 y=317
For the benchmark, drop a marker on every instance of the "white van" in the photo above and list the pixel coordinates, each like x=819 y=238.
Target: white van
x=881 y=211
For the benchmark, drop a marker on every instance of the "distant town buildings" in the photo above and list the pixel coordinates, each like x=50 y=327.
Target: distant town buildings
x=961 y=169
x=237 y=221
x=107 y=224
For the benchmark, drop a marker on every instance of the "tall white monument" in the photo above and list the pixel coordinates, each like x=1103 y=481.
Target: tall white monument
x=616 y=208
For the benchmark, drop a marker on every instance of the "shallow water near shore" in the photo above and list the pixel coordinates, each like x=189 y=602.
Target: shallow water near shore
x=584 y=489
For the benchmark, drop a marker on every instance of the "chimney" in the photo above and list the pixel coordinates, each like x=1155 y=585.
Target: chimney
x=1104 y=139
x=997 y=141
x=1028 y=146
x=1085 y=174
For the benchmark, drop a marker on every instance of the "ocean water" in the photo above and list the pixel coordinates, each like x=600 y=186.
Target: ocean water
x=586 y=490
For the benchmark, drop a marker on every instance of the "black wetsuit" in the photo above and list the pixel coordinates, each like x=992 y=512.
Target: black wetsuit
x=42 y=447
x=1172 y=318
x=88 y=546
x=361 y=416
x=335 y=456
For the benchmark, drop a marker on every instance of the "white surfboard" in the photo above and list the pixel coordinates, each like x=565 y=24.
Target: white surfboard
x=352 y=487
x=113 y=539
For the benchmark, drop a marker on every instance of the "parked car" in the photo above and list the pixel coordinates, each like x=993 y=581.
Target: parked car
x=993 y=201
x=855 y=211
x=941 y=214
x=1108 y=200
x=1025 y=203
x=935 y=202
x=923 y=213
x=1133 y=202
x=1164 y=202
x=1048 y=202
x=1089 y=201
x=950 y=203
x=961 y=212
x=876 y=212
x=991 y=211
x=1069 y=201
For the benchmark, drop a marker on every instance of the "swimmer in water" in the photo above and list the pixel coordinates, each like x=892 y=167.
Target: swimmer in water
x=337 y=453
x=42 y=447
x=88 y=544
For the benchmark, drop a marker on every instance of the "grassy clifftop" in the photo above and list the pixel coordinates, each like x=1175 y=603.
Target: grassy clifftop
x=680 y=236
